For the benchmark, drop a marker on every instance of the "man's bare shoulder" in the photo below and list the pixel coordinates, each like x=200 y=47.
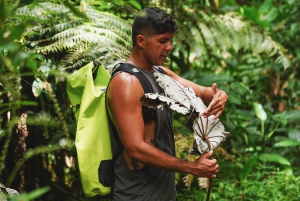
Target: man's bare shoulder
x=123 y=97
x=125 y=83
x=125 y=78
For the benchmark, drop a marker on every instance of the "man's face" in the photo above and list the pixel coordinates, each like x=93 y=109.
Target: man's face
x=157 y=47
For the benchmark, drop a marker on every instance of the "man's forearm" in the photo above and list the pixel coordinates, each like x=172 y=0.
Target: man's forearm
x=154 y=157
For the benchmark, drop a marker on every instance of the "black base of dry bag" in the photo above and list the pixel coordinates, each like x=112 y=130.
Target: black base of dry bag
x=106 y=173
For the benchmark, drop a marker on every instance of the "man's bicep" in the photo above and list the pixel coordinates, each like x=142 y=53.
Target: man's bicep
x=124 y=95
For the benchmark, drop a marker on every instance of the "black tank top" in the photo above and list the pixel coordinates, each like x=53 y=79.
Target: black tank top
x=148 y=183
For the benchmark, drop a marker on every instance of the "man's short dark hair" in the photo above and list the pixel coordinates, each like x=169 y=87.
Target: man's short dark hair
x=152 y=21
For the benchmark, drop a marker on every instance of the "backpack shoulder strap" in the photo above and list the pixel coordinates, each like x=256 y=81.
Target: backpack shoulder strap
x=129 y=68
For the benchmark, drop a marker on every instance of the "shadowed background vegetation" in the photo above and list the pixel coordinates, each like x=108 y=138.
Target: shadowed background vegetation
x=249 y=48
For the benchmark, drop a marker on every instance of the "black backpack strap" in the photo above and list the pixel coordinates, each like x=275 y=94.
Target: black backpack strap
x=132 y=69
x=129 y=68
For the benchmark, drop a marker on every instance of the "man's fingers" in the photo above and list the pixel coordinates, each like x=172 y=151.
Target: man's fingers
x=218 y=103
x=214 y=89
x=217 y=168
x=212 y=171
x=218 y=109
x=207 y=167
x=208 y=154
x=209 y=110
x=217 y=115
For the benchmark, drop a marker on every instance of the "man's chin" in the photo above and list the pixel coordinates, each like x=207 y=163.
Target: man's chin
x=160 y=62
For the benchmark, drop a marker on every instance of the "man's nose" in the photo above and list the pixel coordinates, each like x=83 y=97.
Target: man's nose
x=169 y=46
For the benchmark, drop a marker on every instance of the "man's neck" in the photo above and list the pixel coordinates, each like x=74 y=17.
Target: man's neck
x=140 y=62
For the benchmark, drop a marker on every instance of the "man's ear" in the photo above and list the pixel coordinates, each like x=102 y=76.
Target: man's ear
x=140 y=40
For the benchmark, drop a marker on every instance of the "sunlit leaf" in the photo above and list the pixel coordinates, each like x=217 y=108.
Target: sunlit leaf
x=275 y=158
x=135 y=4
x=287 y=143
x=265 y=6
x=259 y=111
x=37 y=87
x=38 y=192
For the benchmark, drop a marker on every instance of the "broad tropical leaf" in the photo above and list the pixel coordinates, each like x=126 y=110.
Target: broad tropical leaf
x=152 y=100
x=208 y=133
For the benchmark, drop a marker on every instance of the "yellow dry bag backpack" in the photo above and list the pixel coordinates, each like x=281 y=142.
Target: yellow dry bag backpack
x=86 y=93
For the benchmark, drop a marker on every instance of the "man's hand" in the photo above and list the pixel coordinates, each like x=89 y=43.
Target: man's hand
x=207 y=167
x=217 y=105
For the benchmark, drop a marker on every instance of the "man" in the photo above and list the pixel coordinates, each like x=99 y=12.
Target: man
x=145 y=170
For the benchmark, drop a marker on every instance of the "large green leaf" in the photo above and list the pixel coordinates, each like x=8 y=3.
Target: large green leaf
x=248 y=167
x=275 y=158
x=136 y=4
x=287 y=143
x=31 y=195
x=38 y=192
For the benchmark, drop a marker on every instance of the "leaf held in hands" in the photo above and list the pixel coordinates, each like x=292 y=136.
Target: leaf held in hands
x=152 y=100
x=208 y=133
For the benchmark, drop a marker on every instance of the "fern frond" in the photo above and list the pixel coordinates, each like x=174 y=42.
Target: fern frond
x=108 y=59
x=221 y=33
x=42 y=10
x=207 y=36
x=56 y=29
x=189 y=35
x=218 y=36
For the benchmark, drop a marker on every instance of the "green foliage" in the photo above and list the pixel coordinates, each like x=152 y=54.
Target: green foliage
x=262 y=93
x=207 y=37
x=74 y=40
x=248 y=49
x=275 y=187
x=17 y=105
x=263 y=184
x=11 y=57
x=248 y=167
x=31 y=195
